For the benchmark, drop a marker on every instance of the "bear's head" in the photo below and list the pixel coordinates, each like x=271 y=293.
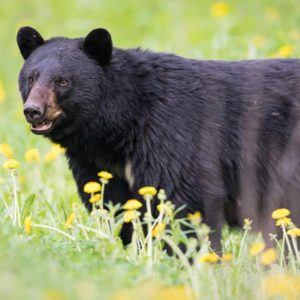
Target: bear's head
x=63 y=80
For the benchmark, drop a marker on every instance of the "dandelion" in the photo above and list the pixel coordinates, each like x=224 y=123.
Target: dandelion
x=2 y=93
x=295 y=232
x=6 y=150
x=257 y=248
x=280 y=213
x=58 y=149
x=32 y=155
x=272 y=13
x=196 y=217
x=285 y=51
x=268 y=257
x=148 y=191
x=105 y=175
x=28 y=224
x=227 y=257
x=283 y=222
x=166 y=208
x=247 y=224
x=11 y=164
x=51 y=156
x=70 y=220
x=130 y=215
x=209 y=258
x=219 y=9
x=158 y=229
x=92 y=187
x=95 y=198
x=132 y=204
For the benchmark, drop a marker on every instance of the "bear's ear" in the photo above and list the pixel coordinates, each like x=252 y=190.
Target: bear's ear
x=98 y=45
x=28 y=40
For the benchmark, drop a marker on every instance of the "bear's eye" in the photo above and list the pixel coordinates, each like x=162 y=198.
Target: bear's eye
x=31 y=80
x=62 y=82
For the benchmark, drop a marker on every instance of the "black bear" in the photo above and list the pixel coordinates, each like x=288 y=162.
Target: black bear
x=220 y=137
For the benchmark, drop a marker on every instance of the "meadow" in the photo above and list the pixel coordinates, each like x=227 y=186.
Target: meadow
x=51 y=248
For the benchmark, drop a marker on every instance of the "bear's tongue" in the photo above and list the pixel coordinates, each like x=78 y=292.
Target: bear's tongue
x=42 y=126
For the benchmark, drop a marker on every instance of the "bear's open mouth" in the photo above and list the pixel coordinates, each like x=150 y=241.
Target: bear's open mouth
x=41 y=127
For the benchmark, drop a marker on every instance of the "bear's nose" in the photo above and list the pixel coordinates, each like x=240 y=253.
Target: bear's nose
x=32 y=113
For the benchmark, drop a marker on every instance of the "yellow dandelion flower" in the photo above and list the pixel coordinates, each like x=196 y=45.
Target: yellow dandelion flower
x=70 y=220
x=158 y=229
x=58 y=149
x=272 y=13
x=2 y=93
x=227 y=257
x=196 y=217
x=51 y=156
x=219 y=9
x=32 y=155
x=268 y=257
x=11 y=164
x=257 y=248
x=285 y=51
x=295 y=232
x=6 y=150
x=179 y=292
x=247 y=221
x=280 y=213
x=165 y=208
x=130 y=215
x=105 y=175
x=92 y=187
x=147 y=191
x=132 y=204
x=258 y=40
x=209 y=258
x=28 y=224
x=95 y=198
x=284 y=222
x=281 y=286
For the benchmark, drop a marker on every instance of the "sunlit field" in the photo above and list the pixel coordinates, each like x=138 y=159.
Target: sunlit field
x=52 y=248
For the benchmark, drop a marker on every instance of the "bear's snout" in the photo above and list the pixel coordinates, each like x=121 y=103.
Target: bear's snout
x=33 y=113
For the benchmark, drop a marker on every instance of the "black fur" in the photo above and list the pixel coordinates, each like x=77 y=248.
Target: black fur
x=217 y=136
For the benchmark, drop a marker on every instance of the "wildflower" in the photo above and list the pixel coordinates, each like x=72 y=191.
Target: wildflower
x=95 y=198
x=132 y=204
x=147 y=191
x=2 y=93
x=92 y=187
x=268 y=257
x=27 y=224
x=196 y=217
x=11 y=164
x=209 y=258
x=219 y=9
x=58 y=149
x=32 y=155
x=257 y=248
x=51 y=156
x=272 y=13
x=158 y=229
x=280 y=213
x=285 y=51
x=178 y=292
x=130 y=215
x=283 y=222
x=6 y=150
x=227 y=257
x=166 y=208
x=281 y=286
x=258 y=40
x=105 y=175
x=70 y=220
x=247 y=224
x=295 y=232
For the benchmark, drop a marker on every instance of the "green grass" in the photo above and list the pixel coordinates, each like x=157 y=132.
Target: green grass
x=47 y=265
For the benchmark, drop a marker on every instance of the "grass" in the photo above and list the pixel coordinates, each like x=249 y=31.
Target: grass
x=46 y=264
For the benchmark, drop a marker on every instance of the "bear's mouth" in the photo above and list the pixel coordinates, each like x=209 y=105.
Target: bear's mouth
x=43 y=127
